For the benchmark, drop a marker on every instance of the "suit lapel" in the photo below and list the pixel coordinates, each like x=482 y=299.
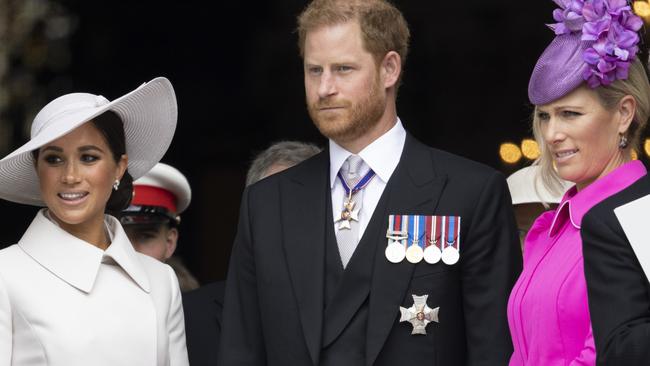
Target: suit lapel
x=414 y=188
x=304 y=199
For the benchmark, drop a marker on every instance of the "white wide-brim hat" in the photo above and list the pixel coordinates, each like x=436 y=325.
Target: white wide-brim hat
x=149 y=116
x=525 y=187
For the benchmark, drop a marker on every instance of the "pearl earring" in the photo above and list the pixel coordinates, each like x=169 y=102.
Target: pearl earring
x=116 y=185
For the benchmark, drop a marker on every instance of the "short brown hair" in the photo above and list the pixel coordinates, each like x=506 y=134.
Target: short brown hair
x=383 y=27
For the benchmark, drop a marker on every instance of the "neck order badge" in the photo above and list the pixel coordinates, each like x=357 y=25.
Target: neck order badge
x=350 y=208
x=417 y=237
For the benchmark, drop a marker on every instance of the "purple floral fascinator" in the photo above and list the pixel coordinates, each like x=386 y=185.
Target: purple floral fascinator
x=596 y=41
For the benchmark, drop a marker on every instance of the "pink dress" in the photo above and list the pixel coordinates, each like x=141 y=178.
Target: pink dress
x=548 y=311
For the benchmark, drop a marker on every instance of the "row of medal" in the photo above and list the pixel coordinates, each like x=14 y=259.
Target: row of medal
x=418 y=237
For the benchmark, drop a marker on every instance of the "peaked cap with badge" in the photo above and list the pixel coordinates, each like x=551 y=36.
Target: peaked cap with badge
x=159 y=197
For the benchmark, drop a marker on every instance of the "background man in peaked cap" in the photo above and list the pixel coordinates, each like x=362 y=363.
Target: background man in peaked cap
x=309 y=282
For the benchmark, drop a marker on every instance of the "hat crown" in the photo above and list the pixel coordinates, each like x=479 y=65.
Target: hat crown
x=64 y=105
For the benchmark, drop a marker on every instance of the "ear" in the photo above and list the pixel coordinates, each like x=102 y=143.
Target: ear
x=626 y=110
x=171 y=238
x=390 y=69
x=122 y=165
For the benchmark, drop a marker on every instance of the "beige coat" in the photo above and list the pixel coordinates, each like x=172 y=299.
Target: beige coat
x=64 y=302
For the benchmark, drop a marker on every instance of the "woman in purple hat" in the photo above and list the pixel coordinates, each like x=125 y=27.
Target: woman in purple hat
x=592 y=98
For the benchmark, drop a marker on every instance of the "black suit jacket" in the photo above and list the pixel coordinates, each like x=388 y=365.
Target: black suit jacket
x=619 y=292
x=273 y=313
x=202 y=308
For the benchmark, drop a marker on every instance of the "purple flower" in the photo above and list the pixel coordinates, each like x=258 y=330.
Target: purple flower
x=569 y=17
x=611 y=28
x=591 y=31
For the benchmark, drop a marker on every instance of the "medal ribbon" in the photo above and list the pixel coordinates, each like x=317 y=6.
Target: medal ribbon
x=405 y=228
x=422 y=223
x=415 y=233
x=359 y=186
x=397 y=224
x=437 y=234
x=452 y=228
x=428 y=231
x=413 y=230
x=458 y=233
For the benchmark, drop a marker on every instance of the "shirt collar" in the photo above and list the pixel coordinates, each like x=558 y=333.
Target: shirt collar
x=382 y=155
x=76 y=261
x=578 y=203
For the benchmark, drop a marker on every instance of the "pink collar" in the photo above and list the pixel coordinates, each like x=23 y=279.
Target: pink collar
x=578 y=203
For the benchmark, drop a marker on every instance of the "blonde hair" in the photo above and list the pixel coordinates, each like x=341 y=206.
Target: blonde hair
x=636 y=85
x=383 y=27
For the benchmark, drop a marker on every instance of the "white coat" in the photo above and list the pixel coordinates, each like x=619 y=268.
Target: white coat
x=65 y=302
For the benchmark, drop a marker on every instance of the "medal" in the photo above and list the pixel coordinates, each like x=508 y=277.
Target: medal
x=397 y=237
x=419 y=315
x=432 y=252
x=451 y=253
x=414 y=253
x=351 y=210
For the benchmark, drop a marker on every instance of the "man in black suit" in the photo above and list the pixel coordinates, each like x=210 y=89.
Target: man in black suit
x=312 y=280
x=619 y=292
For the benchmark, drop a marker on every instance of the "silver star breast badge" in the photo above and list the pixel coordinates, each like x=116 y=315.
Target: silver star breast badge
x=419 y=315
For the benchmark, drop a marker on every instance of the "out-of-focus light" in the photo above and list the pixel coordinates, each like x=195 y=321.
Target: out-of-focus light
x=642 y=9
x=635 y=155
x=530 y=149
x=646 y=147
x=509 y=153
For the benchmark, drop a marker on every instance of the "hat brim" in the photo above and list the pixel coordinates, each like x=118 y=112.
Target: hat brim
x=149 y=115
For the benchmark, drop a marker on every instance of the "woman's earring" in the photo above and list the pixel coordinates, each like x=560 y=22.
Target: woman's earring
x=623 y=143
x=116 y=185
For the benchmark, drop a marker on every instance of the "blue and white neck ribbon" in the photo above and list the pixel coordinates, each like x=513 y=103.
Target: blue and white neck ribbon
x=359 y=186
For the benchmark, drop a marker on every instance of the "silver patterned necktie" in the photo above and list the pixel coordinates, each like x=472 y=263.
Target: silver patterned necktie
x=347 y=230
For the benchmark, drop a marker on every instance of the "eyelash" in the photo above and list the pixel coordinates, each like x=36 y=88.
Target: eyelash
x=566 y=114
x=85 y=158
x=570 y=114
x=52 y=159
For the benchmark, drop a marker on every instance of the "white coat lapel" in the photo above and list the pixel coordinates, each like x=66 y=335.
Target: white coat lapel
x=75 y=261
x=67 y=257
x=633 y=219
x=122 y=252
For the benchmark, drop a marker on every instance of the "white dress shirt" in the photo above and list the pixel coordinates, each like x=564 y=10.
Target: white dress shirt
x=382 y=156
x=65 y=302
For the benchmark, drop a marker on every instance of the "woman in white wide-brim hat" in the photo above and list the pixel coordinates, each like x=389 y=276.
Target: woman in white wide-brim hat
x=73 y=291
